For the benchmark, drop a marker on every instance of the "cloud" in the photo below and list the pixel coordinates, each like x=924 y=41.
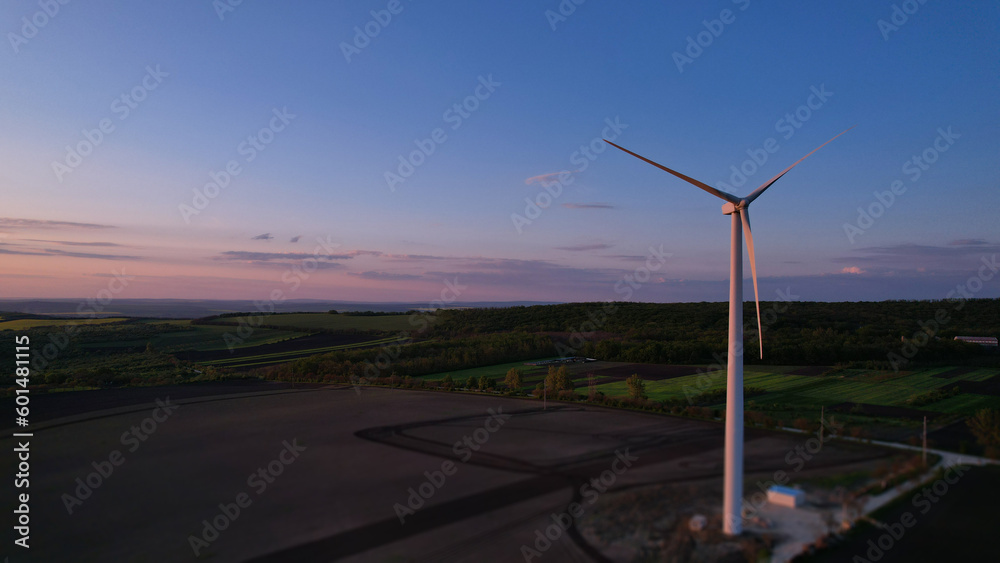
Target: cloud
x=418 y=257
x=53 y=252
x=265 y=236
x=543 y=178
x=295 y=238
x=12 y=223
x=384 y=276
x=968 y=242
x=627 y=257
x=910 y=257
x=595 y=205
x=852 y=270
x=585 y=247
x=244 y=256
x=71 y=243
x=538 y=274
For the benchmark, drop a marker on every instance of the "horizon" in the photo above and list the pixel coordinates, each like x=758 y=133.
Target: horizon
x=331 y=182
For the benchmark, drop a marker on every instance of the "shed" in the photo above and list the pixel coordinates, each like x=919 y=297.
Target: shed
x=785 y=496
x=990 y=341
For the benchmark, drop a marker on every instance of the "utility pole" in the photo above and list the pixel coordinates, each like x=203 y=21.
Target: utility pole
x=925 y=440
x=821 y=423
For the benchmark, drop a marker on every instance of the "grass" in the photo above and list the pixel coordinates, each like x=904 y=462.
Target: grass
x=791 y=393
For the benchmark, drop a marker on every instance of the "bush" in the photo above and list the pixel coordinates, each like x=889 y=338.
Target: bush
x=985 y=425
x=805 y=424
x=514 y=380
x=486 y=383
x=636 y=387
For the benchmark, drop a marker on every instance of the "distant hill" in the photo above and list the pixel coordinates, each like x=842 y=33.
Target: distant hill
x=196 y=308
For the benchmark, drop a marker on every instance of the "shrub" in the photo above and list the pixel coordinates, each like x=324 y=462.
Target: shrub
x=514 y=380
x=636 y=387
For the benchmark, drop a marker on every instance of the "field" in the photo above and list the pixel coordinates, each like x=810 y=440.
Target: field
x=326 y=321
x=270 y=354
x=878 y=404
x=199 y=337
x=23 y=324
x=945 y=529
x=358 y=457
x=780 y=385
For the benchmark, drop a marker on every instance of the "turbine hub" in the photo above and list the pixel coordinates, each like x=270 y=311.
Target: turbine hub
x=730 y=208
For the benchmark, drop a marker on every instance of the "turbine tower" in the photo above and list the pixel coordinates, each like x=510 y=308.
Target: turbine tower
x=739 y=210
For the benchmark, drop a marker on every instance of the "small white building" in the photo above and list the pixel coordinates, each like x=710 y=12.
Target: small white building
x=990 y=341
x=785 y=496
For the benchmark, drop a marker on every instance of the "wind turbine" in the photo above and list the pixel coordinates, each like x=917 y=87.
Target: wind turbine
x=739 y=209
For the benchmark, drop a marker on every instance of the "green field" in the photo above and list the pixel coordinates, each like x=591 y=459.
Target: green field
x=278 y=357
x=326 y=321
x=532 y=374
x=200 y=338
x=783 y=391
x=24 y=324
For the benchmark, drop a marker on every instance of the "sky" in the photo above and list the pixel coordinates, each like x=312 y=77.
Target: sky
x=418 y=151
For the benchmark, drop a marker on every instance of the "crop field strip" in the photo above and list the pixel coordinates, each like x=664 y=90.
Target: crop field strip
x=879 y=390
x=325 y=321
x=275 y=357
x=24 y=324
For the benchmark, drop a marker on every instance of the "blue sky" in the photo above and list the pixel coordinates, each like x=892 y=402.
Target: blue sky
x=554 y=84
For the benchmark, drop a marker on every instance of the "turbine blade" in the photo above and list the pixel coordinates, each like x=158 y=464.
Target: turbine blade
x=717 y=193
x=745 y=219
x=756 y=193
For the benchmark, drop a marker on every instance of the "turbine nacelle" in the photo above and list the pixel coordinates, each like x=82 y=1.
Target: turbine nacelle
x=729 y=208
